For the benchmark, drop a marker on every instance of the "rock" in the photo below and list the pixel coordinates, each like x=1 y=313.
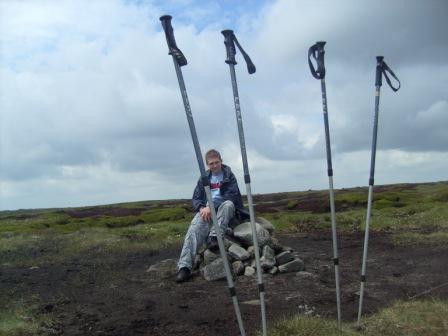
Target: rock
x=238 y=267
x=228 y=241
x=275 y=245
x=164 y=269
x=210 y=256
x=214 y=271
x=306 y=275
x=243 y=232
x=249 y=271
x=293 y=266
x=267 y=261
x=265 y=224
x=273 y=270
x=284 y=257
x=238 y=253
x=251 y=250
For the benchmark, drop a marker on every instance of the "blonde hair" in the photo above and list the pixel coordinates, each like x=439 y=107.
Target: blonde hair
x=212 y=153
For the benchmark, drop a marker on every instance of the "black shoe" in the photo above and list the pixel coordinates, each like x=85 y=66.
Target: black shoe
x=183 y=274
x=212 y=243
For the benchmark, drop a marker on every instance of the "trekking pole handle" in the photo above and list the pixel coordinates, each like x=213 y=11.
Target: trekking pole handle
x=230 y=41
x=383 y=68
x=172 y=47
x=379 y=71
x=317 y=52
x=230 y=46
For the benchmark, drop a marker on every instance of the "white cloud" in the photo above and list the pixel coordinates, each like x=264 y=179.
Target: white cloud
x=91 y=110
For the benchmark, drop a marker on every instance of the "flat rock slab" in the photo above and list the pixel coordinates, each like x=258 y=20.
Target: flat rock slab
x=238 y=253
x=210 y=256
x=293 y=266
x=214 y=271
x=284 y=257
x=244 y=233
x=164 y=268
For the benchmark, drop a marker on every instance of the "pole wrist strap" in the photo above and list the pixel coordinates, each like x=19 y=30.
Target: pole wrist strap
x=385 y=70
x=230 y=40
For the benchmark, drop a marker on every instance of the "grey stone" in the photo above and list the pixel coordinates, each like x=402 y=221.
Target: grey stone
x=228 y=241
x=249 y=271
x=265 y=224
x=210 y=256
x=243 y=232
x=253 y=263
x=293 y=266
x=275 y=245
x=273 y=270
x=164 y=268
x=267 y=261
x=214 y=271
x=238 y=253
x=306 y=275
x=284 y=257
x=251 y=250
x=238 y=267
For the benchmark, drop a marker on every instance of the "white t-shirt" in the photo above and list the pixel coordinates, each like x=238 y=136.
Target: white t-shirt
x=215 y=187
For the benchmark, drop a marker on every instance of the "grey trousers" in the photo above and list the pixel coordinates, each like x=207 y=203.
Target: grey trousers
x=199 y=230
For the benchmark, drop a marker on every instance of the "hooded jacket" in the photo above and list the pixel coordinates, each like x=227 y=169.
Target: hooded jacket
x=229 y=192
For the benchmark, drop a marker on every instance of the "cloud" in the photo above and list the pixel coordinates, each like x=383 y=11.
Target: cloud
x=91 y=110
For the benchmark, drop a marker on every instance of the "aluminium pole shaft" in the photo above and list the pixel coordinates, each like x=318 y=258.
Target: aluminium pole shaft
x=175 y=52
x=249 y=195
x=318 y=53
x=332 y=206
x=381 y=69
x=369 y=203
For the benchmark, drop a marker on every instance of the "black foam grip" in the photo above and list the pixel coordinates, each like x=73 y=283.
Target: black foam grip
x=379 y=71
x=204 y=180
x=169 y=33
x=336 y=261
x=363 y=278
x=230 y=46
x=261 y=288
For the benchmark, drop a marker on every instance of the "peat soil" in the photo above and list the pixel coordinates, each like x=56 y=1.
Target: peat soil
x=100 y=293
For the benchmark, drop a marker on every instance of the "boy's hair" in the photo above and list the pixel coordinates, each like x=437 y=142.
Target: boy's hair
x=212 y=153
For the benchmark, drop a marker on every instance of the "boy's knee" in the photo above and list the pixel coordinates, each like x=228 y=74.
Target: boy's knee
x=228 y=204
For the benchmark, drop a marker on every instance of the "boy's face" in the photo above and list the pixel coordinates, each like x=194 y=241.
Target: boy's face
x=214 y=164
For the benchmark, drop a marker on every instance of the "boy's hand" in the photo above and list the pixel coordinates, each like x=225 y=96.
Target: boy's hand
x=206 y=214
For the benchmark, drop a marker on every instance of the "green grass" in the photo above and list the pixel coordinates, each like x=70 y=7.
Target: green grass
x=18 y=319
x=419 y=213
x=413 y=318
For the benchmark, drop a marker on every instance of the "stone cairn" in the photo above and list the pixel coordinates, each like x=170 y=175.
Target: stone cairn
x=274 y=258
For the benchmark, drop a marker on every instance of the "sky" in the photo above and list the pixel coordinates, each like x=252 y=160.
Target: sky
x=91 y=112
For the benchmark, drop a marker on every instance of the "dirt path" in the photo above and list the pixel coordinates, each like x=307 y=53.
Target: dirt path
x=104 y=294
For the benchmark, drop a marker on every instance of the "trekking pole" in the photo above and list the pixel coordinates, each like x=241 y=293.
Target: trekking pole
x=230 y=41
x=381 y=68
x=180 y=60
x=317 y=52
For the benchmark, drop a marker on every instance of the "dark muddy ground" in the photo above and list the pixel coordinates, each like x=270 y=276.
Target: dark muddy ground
x=112 y=294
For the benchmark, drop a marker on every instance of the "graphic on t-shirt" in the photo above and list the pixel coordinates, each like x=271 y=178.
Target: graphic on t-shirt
x=214 y=186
